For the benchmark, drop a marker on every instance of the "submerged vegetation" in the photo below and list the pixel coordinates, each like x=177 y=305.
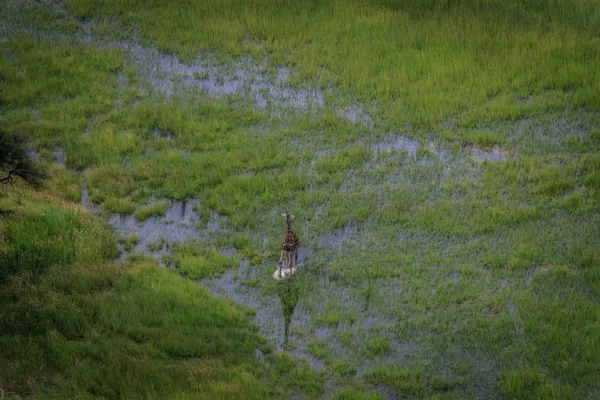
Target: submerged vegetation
x=442 y=160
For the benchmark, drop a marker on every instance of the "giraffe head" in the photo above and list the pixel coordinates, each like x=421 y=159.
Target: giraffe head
x=287 y=214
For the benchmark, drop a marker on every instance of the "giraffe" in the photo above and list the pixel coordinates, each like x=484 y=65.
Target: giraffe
x=291 y=243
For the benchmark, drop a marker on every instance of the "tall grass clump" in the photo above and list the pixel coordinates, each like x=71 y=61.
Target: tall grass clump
x=157 y=209
x=40 y=234
x=196 y=262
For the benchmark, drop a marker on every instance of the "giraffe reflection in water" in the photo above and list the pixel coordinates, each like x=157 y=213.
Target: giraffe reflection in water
x=289 y=292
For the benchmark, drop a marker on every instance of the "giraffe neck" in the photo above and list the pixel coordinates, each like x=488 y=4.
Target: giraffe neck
x=288 y=224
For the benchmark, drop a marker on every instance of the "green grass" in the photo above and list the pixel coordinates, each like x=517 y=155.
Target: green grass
x=332 y=319
x=531 y=384
x=198 y=262
x=299 y=376
x=343 y=368
x=38 y=235
x=401 y=381
x=119 y=206
x=128 y=242
x=356 y=394
x=153 y=210
x=378 y=346
x=318 y=349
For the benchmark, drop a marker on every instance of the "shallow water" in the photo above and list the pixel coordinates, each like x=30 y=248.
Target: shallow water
x=166 y=75
x=176 y=226
x=86 y=202
x=336 y=237
x=397 y=143
x=60 y=156
x=357 y=115
x=493 y=154
x=287 y=312
x=279 y=312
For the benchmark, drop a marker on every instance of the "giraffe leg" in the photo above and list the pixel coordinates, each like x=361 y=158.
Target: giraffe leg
x=279 y=269
x=284 y=264
x=280 y=264
x=285 y=261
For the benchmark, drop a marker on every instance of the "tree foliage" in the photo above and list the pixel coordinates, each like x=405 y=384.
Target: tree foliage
x=15 y=160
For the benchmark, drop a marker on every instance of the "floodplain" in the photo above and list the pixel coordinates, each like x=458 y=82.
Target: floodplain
x=441 y=159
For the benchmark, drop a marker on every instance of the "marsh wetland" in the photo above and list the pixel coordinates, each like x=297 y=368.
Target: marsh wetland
x=442 y=161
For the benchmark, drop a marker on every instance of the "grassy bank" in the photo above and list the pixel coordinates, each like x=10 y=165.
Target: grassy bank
x=76 y=325
x=73 y=325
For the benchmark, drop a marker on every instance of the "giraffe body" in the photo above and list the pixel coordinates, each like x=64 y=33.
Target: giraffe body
x=289 y=248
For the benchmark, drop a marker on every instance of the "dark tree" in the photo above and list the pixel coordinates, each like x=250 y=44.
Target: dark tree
x=16 y=161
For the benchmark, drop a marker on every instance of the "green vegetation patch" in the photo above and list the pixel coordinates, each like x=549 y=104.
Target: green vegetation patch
x=356 y=394
x=45 y=72
x=297 y=376
x=343 y=368
x=531 y=384
x=154 y=210
x=318 y=349
x=197 y=262
x=378 y=346
x=402 y=381
x=41 y=231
